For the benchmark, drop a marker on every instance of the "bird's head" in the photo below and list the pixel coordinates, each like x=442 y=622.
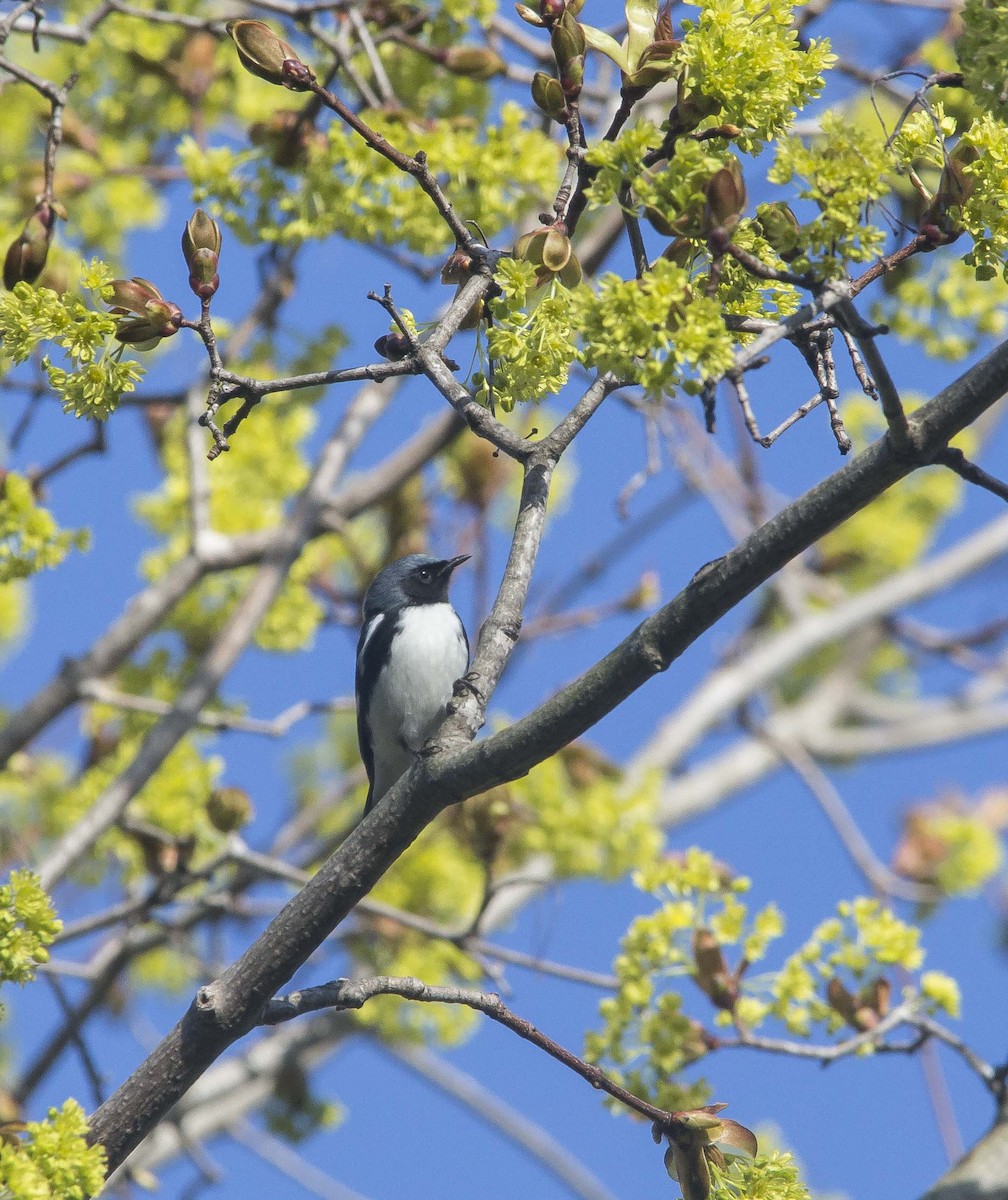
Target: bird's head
x=415 y=579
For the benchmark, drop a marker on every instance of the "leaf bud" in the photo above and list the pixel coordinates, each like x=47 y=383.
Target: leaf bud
x=551 y=10
x=568 y=38
x=529 y=15
x=569 y=45
x=132 y=295
x=725 y=200
x=780 y=228
x=474 y=62
x=556 y=250
x=195 y=71
x=548 y=96
x=549 y=250
x=657 y=62
x=229 y=808
x=26 y=255
x=659 y=221
x=201 y=244
x=690 y=108
x=267 y=56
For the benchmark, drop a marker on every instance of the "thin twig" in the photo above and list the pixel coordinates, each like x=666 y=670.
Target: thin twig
x=846 y=828
x=354 y=993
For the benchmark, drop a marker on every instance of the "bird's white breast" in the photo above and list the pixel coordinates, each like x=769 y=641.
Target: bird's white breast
x=428 y=653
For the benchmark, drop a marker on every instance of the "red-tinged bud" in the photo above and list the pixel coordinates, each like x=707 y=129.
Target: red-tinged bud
x=201 y=243
x=458 y=268
x=712 y=974
x=267 y=56
x=393 y=346
x=133 y=295
x=143 y=333
x=939 y=224
x=155 y=317
x=551 y=10
x=26 y=255
x=663 y=31
x=572 y=78
x=725 y=200
x=858 y=1011
x=203 y=279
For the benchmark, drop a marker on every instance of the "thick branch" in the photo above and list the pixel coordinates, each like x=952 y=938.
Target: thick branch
x=228 y=1008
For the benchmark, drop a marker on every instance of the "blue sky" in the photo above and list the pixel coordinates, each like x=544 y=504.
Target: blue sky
x=863 y=1127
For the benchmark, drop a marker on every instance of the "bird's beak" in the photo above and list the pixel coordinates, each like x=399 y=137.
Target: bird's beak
x=452 y=563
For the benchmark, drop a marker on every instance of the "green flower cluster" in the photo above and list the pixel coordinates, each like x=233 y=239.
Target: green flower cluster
x=645 y=1036
x=982 y=50
x=249 y=491
x=843 y=172
x=43 y=793
x=30 y=539
x=53 y=1160
x=532 y=342
x=744 y=57
x=585 y=817
x=859 y=943
x=944 y=308
x=972 y=852
x=28 y=924
x=346 y=188
x=675 y=191
x=654 y=331
x=766 y=1177
x=98 y=376
x=984 y=212
x=742 y=293
x=620 y=160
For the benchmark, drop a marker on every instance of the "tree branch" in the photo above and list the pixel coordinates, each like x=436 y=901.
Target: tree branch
x=226 y=1009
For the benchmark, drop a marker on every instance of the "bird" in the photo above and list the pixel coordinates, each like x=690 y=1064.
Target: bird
x=412 y=648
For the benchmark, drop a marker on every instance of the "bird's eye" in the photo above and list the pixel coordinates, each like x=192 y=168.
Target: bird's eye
x=424 y=574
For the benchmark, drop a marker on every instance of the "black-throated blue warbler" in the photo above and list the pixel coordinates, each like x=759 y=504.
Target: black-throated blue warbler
x=412 y=649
